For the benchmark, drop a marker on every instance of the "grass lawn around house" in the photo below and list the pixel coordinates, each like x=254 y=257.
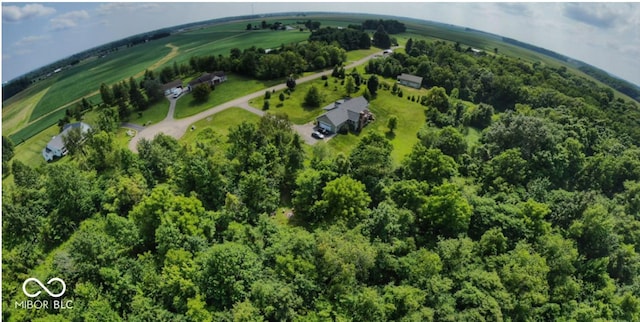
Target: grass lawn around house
x=153 y=114
x=30 y=153
x=121 y=138
x=293 y=105
x=411 y=118
x=220 y=123
x=236 y=86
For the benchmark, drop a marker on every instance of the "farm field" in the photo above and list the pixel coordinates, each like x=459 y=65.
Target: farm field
x=79 y=82
x=17 y=109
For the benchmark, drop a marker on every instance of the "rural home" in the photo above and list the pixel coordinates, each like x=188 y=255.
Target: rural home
x=350 y=114
x=172 y=87
x=55 y=147
x=410 y=80
x=209 y=78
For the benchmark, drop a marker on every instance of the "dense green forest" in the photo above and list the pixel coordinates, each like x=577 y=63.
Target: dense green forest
x=538 y=220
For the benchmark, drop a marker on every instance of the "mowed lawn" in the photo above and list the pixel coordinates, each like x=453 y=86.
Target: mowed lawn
x=153 y=114
x=220 y=123
x=30 y=153
x=411 y=117
x=236 y=86
x=293 y=104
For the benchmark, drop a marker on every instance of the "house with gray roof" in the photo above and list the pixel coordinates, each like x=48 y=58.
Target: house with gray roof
x=214 y=78
x=410 y=80
x=172 y=87
x=349 y=114
x=55 y=147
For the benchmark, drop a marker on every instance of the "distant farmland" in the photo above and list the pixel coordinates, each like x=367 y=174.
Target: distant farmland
x=27 y=115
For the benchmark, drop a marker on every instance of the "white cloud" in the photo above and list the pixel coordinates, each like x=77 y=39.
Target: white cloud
x=29 y=40
x=68 y=20
x=15 y=13
x=601 y=15
x=113 y=7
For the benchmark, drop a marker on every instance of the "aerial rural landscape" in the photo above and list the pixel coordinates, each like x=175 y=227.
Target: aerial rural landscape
x=319 y=166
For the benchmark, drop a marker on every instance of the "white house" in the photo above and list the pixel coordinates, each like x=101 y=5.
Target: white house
x=55 y=147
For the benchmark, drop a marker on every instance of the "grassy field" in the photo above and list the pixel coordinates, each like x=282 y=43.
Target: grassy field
x=220 y=123
x=235 y=86
x=154 y=114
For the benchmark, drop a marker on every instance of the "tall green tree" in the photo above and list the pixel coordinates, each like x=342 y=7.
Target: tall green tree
x=229 y=269
x=371 y=163
x=107 y=95
x=372 y=85
x=349 y=85
x=392 y=124
x=201 y=93
x=381 y=39
x=345 y=200
x=430 y=165
x=312 y=98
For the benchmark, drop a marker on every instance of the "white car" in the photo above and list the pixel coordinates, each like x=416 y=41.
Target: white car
x=317 y=135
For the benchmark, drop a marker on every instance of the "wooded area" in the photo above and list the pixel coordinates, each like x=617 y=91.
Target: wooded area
x=539 y=220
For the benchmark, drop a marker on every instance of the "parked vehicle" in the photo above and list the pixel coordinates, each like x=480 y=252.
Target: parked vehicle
x=317 y=135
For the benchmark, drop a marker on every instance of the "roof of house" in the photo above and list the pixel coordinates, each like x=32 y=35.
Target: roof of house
x=206 y=77
x=173 y=84
x=57 y=142
x=410 y=78
x=348 y=109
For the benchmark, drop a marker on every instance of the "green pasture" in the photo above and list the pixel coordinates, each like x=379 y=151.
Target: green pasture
x=235 y=86
x=220 y=123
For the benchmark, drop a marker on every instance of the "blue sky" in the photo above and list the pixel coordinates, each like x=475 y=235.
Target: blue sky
x=606 y=35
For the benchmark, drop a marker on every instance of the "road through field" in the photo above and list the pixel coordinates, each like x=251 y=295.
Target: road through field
x=177 y=127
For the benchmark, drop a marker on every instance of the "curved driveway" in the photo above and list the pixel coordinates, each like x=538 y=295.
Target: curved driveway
x=177 y=127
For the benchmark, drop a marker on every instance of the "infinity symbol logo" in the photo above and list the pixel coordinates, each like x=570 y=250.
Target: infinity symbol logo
x=55 y=279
